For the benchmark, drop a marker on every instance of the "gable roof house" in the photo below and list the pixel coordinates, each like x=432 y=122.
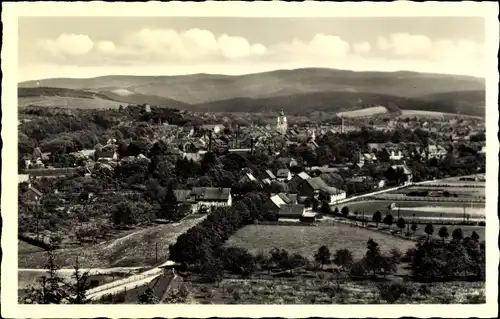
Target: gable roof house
x=211 y=197
x=315 y=186
x=393 y=174
x=296 y=211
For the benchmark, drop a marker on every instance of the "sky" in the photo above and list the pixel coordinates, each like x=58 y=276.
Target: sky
x=83 y=47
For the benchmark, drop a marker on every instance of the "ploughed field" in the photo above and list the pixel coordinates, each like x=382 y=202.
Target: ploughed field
x=306 y=240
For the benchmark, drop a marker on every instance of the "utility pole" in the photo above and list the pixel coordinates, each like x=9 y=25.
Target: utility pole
x=363 y=217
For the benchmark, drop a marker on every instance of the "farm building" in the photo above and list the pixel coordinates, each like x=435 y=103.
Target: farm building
x=208 y=197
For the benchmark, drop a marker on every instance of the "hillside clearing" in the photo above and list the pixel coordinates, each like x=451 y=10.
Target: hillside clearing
x=306 y=240
x=369 y=111
x=70 y=102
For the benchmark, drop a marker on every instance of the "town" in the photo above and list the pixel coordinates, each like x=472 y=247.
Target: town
x=143 y=196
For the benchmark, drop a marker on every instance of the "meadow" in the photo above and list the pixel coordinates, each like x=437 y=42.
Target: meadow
x=306 y=240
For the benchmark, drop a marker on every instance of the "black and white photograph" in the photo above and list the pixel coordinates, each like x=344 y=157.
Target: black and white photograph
x=208 y=159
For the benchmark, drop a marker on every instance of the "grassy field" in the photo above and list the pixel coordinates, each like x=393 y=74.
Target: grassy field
x=135 y=249
x=24 y=248
x=421 y=209
x=461 y=192
x=306 y=240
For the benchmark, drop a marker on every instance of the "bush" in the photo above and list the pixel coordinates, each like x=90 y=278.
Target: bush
x=357 y=271
x=391 y=292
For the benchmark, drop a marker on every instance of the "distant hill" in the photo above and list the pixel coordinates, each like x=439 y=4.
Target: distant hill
x=302 y=104
x=60 y=97
x=203 y=88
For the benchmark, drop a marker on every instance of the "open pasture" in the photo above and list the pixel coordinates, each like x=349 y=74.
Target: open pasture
x=306 y=240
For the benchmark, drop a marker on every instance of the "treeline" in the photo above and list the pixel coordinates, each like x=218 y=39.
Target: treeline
x=199 y=248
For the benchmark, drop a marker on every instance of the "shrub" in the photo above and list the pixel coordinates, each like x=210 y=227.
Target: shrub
x=391 y=292
x=357 y=271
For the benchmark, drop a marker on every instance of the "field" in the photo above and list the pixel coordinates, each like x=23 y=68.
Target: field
x=426 y=209
x=364 y=112
x=461 y=192
x=71 y=102
x=306 y=240
x=135 y=249
x=313 y=288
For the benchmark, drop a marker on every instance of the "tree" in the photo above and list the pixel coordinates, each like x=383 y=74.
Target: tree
x=401 y=224
x=474 y=236
x=414 y=227
x=343 y=258
x=325 y=208
x=388 y=220
x=80 y=286
x=239 y=261
x=50 y=288
x=345 y=211
x=429 y=230
x=336 y=211
x=373 y=258
x=169 y=205
x=443 y=233
x=212 y=269
x=377 y=217
x=457 y=234
x=322 y=256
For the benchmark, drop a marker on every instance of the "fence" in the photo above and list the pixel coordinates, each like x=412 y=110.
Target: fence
x=430 y=199
x=450 y=185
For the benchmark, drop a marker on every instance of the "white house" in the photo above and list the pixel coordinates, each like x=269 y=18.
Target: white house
x=284 y=174
x=210 y=197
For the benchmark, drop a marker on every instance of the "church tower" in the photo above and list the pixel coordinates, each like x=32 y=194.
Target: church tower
x=282 y=124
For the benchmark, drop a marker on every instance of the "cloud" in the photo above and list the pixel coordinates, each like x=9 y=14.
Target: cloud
x=68 y=44
x=197 y=50
x=105 y=46
x=405 y=44
x=362 y=47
